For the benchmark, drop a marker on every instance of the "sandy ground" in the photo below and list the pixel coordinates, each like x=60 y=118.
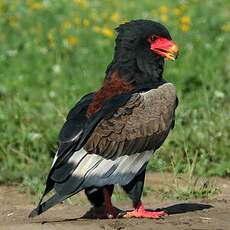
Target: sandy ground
x=200 y=214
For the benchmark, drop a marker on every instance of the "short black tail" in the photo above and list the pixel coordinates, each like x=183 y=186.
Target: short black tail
x=55 y=199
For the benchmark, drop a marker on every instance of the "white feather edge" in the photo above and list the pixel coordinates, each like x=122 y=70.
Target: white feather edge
x=94 y=170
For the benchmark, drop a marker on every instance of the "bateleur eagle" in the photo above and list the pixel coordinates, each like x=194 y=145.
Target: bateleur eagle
x=110 y=135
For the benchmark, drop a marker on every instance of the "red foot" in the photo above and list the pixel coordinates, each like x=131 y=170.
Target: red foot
x=140 y=212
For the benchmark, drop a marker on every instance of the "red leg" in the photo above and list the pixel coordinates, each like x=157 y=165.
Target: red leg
x=140 y=212
x=111 y=211
x=108 y=210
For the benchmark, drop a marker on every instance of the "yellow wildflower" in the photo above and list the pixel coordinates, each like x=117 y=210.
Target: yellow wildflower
x=226 y=27
x=66 y=25
x=35 y=5
x=185 y=20
x=107 y=32
x=81 y=3
x=115 y=17
x=176 y=11
x=85 y=22
x=77 y=20
x=164 y=18
x=72 y=41
x=96 y=29
x=184 y=27
x=164 y=9
x=13 y=21
x=51 y=39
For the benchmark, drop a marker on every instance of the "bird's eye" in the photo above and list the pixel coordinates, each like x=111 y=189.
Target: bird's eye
x=153 y=38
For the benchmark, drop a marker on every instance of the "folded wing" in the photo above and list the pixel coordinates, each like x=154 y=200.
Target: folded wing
x=119 y=146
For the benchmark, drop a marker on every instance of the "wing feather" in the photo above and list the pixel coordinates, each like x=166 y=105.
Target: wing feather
x=146 y=116
x=112 y=148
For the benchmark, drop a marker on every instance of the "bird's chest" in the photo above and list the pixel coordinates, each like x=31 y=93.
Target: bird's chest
x=109 y=89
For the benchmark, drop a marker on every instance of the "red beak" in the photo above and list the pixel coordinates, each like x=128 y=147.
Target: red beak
x=164 y=47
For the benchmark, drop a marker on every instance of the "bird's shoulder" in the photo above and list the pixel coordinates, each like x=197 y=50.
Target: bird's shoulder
x=144 y=115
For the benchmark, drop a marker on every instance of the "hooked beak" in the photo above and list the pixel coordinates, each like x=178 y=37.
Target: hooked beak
x=172 y=53
x=165 y=48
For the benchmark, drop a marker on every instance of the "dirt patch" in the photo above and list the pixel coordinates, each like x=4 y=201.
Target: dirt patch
x=191 y=214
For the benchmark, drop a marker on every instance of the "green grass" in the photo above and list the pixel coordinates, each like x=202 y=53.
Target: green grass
x=181 y=189
x=53 y=52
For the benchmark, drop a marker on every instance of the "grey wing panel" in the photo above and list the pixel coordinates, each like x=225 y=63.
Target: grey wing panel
x=94 y=170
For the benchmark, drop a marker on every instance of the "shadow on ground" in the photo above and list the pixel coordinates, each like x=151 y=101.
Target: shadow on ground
x=171 y=210
x=185 y=207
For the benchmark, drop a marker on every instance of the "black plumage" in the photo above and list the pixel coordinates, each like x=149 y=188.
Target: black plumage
x=109 y=135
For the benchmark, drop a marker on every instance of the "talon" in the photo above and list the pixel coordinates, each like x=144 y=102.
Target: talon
x=121 y=214
x=110 y=216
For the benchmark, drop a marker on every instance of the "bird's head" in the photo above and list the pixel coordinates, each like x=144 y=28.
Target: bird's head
x=145 y=44
x=149 y=36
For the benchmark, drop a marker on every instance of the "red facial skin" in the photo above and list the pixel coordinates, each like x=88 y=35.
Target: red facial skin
x=164 y=47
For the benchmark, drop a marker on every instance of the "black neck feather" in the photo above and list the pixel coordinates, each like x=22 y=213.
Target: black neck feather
x=136 y=63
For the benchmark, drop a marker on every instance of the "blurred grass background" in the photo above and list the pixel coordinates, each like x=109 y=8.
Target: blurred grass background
x=53 y=52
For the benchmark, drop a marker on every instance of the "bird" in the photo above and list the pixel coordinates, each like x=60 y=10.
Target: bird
x=110 y=135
